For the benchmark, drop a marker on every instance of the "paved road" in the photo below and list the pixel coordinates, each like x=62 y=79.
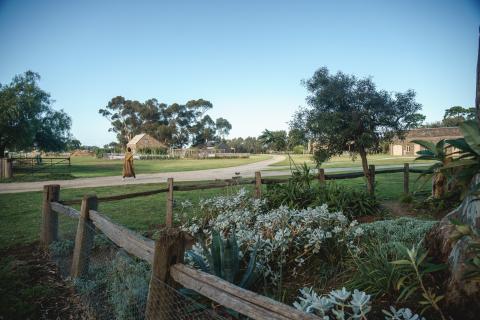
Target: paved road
x=247 y=170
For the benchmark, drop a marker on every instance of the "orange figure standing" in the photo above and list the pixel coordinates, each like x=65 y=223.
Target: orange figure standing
x=128 y=170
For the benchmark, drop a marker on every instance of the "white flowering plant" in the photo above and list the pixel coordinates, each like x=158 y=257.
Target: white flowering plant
x=338 y=304
x=288 y=238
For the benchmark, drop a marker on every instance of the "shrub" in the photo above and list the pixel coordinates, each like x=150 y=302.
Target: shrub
x=298 y=149
x=126 y=282
x=128 y=287
x=288 y=238
x=61 y=248
x=405 y=231
x=353 y=203
x=371 y=268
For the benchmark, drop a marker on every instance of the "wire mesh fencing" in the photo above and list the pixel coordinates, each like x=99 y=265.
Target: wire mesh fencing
x=113 y=284
x=168 y=302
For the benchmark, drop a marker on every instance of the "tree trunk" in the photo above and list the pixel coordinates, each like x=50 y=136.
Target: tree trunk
x=366 y=172
x=439 y=183
x=2 y=151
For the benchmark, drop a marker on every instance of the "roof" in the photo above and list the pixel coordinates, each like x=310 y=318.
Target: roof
x=137 y=138
x=433 y=134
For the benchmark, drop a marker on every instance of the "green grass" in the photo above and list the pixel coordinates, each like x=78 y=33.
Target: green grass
x=20 y=216
x=21 y=212
x=346 y=161
x=87 y=167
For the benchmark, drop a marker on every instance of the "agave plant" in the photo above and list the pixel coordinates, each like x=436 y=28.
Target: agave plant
x=223 y=260
x=468 y=162
x=437 y=153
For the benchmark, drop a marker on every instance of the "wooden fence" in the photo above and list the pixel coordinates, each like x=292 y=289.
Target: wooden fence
x=33 y=165
x=6 y=171
x=166 y=254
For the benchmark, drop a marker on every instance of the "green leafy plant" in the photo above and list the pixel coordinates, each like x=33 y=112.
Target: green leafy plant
x=417 y=268
x=61 y=248
x=401 y=314
x=436 y=152
x=467 y=164
x=371 y=270
x=300 y=192
x=338 y=304
x=223 y=260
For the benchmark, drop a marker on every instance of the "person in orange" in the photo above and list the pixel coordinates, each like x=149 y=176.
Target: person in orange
x=128 y=170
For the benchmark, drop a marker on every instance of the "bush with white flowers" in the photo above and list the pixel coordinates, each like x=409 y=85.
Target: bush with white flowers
x=288 y=237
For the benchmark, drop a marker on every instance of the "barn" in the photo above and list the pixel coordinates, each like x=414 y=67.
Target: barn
x=144 y=141
x=406 y=147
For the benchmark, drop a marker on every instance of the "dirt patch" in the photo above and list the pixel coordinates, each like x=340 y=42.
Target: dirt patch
x=31 y=288
x=399 y=209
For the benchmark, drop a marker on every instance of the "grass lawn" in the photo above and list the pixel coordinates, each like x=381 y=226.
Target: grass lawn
x=20 y=216
x=86 y=167
x=346 y=161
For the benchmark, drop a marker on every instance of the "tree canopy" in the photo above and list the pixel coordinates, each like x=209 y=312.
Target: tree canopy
x=274 y=140
x=27 y=119
x=349 y=114
x=175 y=125
x=453 y=117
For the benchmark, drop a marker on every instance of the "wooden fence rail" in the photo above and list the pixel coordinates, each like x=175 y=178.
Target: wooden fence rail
x=258 y=181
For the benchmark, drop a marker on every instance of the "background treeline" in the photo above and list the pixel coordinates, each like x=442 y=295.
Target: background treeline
x=176 y=125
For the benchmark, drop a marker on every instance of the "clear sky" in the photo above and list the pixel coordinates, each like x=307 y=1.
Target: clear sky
x=246 y=57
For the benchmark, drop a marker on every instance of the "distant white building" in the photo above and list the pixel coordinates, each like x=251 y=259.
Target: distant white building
x=406 y=147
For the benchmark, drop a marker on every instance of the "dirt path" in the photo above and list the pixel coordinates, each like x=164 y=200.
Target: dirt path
x=247 y=170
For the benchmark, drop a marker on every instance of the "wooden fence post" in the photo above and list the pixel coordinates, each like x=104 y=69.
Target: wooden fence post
x=371 y=169
x=169 y=213
x=169 y=250
x=84 y=237
x=258 y=185
x=406 y=178
x=8 y=168
x=321 y=175
x=49 y=231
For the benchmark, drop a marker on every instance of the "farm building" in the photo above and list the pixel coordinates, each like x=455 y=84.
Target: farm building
x=144 y=141
x=406 y=147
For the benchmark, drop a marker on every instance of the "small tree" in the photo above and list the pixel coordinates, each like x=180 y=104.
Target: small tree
x=349 y=114
x=27 y=118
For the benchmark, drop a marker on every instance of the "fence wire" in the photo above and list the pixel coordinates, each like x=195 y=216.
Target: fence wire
x=115 y=285
x=182 y=304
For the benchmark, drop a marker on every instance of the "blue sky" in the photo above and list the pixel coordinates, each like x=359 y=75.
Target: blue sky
x=246 y=57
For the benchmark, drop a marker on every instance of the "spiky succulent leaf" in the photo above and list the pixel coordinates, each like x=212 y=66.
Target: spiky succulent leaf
x=216 y=249
x=229 y=261
x=249 y=274
x=471 y=134
x=198 y=261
